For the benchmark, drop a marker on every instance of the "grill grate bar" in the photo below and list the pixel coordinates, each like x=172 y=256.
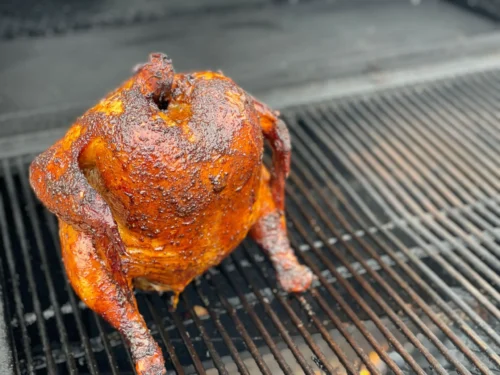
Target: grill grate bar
x=353 y=147
x=7 y=246
x=381 y=352
x=351 y=123
x=457 y=174
x=485 y=123
x=8 y=317
x=340 y=326
x=307 y=308
x=444 y=139
x=295 y=319
x=326 y=336
x=241 y=329
x=277 y=323
x=107 y=346
x=489 y=124
x=221 y=368
x=257 y=321
x=388 y=310
x=491 y=205
x=187 y=341
x=477 y=148
x=409 y=218
x=303 y=143
x=468 y=156
x=454 y=184
x=163 y=334
x=404 y=286
x=493 y=260
x=63 y=335
x=450 y=150
x=404 y=167
x=19 y=224
x=242 y=368
x=401 y=350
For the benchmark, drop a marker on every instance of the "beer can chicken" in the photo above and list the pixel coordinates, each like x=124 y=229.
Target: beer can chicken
x=160 y=181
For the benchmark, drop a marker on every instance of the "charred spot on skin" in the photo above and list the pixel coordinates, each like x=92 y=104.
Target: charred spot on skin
x=219 y=182
x=163 y=104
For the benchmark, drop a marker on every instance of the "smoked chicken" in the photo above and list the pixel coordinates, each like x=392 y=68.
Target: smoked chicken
x=160 y=181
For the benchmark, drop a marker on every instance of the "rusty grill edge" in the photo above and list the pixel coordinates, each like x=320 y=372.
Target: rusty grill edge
x=392 y=201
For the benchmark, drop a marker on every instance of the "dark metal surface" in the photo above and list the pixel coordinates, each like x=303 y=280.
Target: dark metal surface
x=32 y=18
x=488 y=8
x=55 y=78
x=392 y=201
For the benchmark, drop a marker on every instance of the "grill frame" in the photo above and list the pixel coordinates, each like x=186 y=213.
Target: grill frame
x=324 y=115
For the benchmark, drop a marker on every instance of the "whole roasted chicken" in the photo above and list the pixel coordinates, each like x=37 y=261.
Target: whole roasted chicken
x=160 y=181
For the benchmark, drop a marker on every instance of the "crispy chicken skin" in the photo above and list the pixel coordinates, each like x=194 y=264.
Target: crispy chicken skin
x=160 y=181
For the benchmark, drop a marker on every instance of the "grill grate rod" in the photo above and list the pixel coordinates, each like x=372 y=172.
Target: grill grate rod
x=456 y=136
x=241 y=329
x=258 y=323
x=457 y=174
x=452 y=177
x=219 y=365
x=242 y=368
x=491 y=205
x=20 y=230
x=187 y=341
x=304 y=153
x=301 y=327
x=377 y=172
x=7 y=246
x=445 y=139
x=293 y=316
x=408 y=168
x=478 y=172
x=281 y=328
x=336 y=296
x=63 y=335
x=283 y=365
x=475 y=177
x=404 y=286
x=8 y=314
x=330 y=140
x=172 y=356
x=436 y=365
x=493 y=261
x=381 y=352
x=488 y=125
x=401 y=350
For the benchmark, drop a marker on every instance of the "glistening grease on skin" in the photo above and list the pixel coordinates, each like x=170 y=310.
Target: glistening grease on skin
x=160 y=181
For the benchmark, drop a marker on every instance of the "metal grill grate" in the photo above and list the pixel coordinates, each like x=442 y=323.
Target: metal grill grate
x=392 y=201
